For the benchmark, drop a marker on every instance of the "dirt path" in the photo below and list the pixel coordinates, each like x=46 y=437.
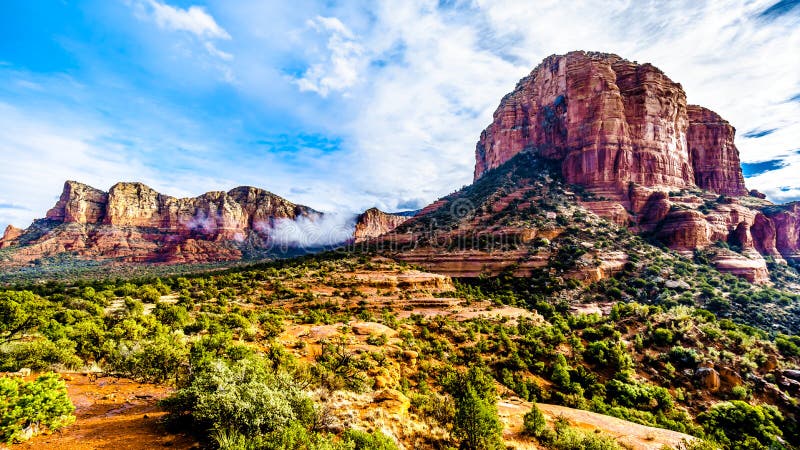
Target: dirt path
x=638 y=437
x=114 y=414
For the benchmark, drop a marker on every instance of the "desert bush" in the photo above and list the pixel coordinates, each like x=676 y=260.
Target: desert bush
x=157 y=360
x=534 y=422
x=662 y=336
x=41 y=404
x=738 y=425
x=245 y=396
x=38 y=355
x=21 y=312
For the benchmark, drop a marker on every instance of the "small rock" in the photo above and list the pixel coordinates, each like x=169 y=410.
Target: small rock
x=708 y=378
x=410 y=355
x=792 y=373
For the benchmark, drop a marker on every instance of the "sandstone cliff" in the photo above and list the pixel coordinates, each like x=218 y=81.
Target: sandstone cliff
x=10 y=236
x=134 y=223
x=374 y=222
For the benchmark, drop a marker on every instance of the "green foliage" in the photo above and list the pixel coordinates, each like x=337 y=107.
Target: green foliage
x=39 y=355
x=245 y=396
x=738 y=425
x=662 y=336
x=21 y=312
x=149 y=294
x=534 y=422
x=42 y=403
x=157 y=360
x=360 y=440
x=639 y=396
x=476 y=423
x=788 y=345
x=560 y=375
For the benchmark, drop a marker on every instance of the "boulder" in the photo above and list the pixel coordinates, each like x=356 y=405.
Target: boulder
x=708 y=378
x=393 y=401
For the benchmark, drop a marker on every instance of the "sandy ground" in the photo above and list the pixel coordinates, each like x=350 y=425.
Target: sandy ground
x=637 y=437
x=114 y=414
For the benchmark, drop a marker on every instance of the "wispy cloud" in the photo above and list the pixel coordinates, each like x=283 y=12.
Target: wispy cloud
x=339 y=68
x=194 y=20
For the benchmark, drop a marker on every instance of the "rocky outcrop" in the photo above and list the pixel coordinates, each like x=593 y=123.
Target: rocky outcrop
x=778 y=232
x=134 y=223
x=374 y=222
x=10 y=236
x=79 y=203
x=714 y=156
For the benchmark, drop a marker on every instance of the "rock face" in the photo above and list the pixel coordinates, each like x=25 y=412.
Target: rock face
x=714 y=156
x=79 y=203
x=134 y=223
x=612 y=122
x=374 y=222
x=776 y=232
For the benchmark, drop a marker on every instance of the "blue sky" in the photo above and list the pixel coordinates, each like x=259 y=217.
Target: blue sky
x=344 y=106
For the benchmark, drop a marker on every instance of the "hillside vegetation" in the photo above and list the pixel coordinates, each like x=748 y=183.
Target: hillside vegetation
x=343 y=351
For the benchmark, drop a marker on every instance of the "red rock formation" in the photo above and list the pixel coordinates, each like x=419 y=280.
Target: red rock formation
x=374 y=222
x=79 y=203
x=785 y=221
x=612 y=122
x=10 y=236
x=624 y=132
x=134 y=223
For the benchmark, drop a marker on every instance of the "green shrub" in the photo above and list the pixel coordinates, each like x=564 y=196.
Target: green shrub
x=39 y=355
x=662 y=336
x=20 y=313
x=245 y=396
x=476 y=424
x=361 y=440
x=155 y=361
x=534 y=423
x=736 y=425
x=42 y=403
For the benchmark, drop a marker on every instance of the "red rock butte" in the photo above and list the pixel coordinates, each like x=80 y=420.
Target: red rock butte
x=612 y=122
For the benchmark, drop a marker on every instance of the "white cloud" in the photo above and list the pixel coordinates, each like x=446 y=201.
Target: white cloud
x=781 y=184
x=194 y=20
x=309 y=232
x=214 y=51
x=200 y=27
x=40 y=155
x=340 y=68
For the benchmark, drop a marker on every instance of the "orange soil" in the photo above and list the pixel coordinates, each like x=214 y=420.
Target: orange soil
x=112 y=413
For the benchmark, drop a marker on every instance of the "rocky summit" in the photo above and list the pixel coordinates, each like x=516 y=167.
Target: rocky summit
x=374 y=222
x=623 y=135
